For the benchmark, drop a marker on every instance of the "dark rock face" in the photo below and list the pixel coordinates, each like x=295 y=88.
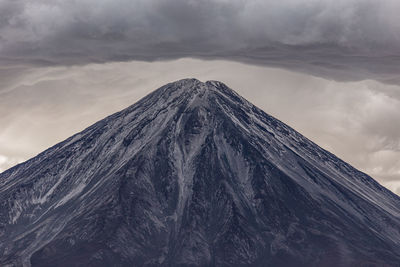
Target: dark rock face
x=194 y=175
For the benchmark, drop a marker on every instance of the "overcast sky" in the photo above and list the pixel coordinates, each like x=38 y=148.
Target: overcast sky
x=330 y=69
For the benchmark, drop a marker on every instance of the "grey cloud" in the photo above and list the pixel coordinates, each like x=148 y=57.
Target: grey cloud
x=342 y=39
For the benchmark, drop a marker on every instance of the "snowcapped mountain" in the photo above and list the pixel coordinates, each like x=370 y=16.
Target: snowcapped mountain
x=194 y=175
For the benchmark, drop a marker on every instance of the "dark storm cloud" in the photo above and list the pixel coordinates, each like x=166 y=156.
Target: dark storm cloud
x=341 y=39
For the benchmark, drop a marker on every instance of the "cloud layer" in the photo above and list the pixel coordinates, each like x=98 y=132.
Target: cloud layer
x=341 y=39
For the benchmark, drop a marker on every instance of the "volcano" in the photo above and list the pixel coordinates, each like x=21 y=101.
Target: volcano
x=194 y=175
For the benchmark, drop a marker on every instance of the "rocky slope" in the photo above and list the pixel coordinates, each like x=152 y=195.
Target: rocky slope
x=194 y=175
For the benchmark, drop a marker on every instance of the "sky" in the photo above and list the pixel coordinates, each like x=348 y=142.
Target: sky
x=330 y=69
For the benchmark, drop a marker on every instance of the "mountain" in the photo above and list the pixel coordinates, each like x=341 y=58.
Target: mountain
x=194 y=175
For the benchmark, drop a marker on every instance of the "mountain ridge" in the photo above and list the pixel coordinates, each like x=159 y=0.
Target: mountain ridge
x=194 y=175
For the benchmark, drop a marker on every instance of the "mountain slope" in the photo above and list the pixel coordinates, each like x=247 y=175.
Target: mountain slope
x=194 y=175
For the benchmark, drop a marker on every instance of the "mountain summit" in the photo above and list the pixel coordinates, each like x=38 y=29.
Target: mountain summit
x=194 y=175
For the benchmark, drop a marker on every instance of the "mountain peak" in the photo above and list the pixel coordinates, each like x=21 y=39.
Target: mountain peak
x=191 y=88
x=194 y=81
x=194 y=175
x=192 y=84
